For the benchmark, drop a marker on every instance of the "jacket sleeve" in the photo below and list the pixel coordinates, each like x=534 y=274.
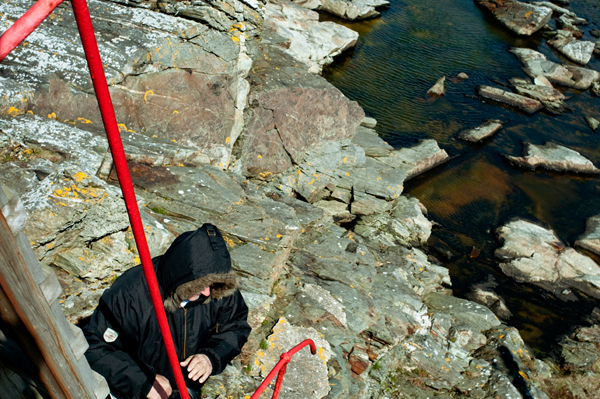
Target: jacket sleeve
x=126 y=377
x=231 y=333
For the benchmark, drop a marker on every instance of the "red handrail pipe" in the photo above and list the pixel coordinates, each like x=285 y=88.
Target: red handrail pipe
x=281 y=367
x=92 y=54
x=25 y=25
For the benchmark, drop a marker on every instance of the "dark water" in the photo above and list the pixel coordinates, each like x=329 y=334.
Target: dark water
x=398 y=57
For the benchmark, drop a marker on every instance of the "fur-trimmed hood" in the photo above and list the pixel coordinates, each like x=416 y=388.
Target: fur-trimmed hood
x=196 y=260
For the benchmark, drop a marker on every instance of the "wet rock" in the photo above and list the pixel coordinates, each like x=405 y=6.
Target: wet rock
x=533 y=254
x=306 y=39
x=306 y=373
x=482 y=132
x=592 y=122
x=515 y=100
x=417 y=159
x=578 y=355
x=355 y=10
x=536 y=64
x=373 y=145
x=590 y=240
x=484 y=294
x=521 y=18
x=595 y=32
x=596 y=88
x=438 y=88
x=552 y=156
x=462 y=76
x=578 y=51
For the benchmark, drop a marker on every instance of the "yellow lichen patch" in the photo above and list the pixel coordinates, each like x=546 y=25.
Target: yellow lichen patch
x=227 y=140
x=12 y=111
x=174 y=141
x=52 y=116
x=259 y=156
x=122 y=127
x=146 y=94
x=522 y=374
x=83 y=120
x=175 y=112
x=80 y=176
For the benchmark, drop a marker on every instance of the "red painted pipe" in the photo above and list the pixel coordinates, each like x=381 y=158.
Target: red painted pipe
x=25 y=25
x=88 y=39
x=282 y=365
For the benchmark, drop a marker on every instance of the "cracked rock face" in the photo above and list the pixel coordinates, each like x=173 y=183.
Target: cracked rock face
x=578 y=51
x=533 y=254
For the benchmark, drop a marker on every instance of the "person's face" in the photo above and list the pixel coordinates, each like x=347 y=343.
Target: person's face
x=206 y=293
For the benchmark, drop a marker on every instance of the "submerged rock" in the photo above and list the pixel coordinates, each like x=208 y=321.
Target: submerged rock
x=533 y=254
x=484 y=294
x=482 y=132
x=590 y=240
x=552 y=156
x=438 y=88
x=521 y=18
x=535 y=64
x=528 y=105
x=592 y=122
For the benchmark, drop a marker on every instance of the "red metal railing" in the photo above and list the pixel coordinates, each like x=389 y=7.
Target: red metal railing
x=280 y=368
x=9 y=40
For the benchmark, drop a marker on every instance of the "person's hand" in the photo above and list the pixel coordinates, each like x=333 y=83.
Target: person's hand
x=161 y=389
x=198 y=366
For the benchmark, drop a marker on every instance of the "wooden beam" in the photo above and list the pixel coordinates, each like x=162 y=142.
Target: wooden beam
x=32 y=315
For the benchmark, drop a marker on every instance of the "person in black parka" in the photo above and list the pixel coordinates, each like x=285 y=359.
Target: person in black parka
x=206 y=313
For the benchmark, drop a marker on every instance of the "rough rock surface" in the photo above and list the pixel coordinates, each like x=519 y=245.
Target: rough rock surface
x=345 y=9
x=533 y=254
x=521 y=18
x=482 y=132
x=552 y=156
x=303 y=36
x=579 y=51
x=527 y=104
x=535 y=64
x=590 y=240
x=438 y=88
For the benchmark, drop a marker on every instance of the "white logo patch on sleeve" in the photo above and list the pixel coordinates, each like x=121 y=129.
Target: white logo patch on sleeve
x=110 y=335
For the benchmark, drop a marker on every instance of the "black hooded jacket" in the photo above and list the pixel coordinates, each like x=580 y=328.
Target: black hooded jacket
x=126 y=345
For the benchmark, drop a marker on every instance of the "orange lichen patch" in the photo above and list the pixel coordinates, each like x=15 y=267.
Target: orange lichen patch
x=146 y=94
x=450 y=191
x=83 y=120
x=12 y=111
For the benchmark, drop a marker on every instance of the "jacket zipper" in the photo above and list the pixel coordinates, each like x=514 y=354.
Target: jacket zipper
x=184 y=331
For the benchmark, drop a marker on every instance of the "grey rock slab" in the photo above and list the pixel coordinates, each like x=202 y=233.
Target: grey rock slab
x=578 y=355
x=417 y=159
x=588 y=334
x=482 y=132
x=365 y=204
x=370 y=141
x=536 y=64
x=590 y=240
x=555 y=8
x=308 y=40
x=521 y=18
x=259 y=306
x=465 y=312
x=526 y=104
x=353 y=10
x=595 y=89
x=306 y=373
x=555 y=157
x=438 y=88
x=258 y=269
x=540 y=93
x=369 y=122
x=578 y=51
x=484 y=294
x=533 y=254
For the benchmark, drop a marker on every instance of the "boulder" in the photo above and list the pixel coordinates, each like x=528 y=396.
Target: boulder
x=303 y=36
x=369 y=122
x=590 y=240
x=528 y=105
x=353 y=10
x=533 y=254
x=578 y=51
x=555 y=157
x=592 y=122
x=535 y=64
x=438 y=88
x=521 y=18
x=462 y=76
x=482 y=132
